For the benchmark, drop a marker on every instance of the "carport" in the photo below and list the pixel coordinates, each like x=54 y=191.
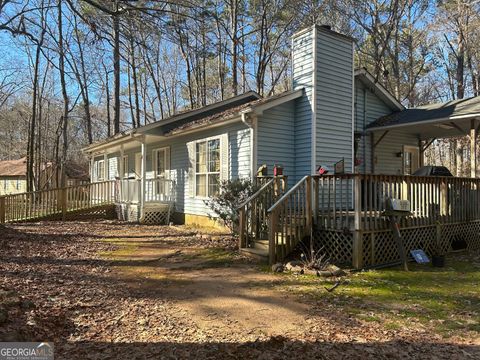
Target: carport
x=431 y=122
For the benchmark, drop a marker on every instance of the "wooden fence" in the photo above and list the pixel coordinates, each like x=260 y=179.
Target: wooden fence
x=56 y=202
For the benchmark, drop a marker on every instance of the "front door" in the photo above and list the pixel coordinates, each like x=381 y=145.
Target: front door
x=411 y=159
x=161 y=169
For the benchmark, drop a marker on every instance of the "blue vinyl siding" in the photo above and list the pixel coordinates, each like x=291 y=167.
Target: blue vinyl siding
x=387 y=161
x=302 y=69
x=239 y=162
x=275 y=139
x=334 y=82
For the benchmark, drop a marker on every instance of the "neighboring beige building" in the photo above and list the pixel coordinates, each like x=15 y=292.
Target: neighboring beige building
x=13 y=176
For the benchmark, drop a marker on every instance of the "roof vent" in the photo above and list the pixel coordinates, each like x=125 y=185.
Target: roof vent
x=328 y=27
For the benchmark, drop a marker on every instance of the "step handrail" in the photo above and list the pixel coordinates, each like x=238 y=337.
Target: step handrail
x=257 y=193
x=286 y=195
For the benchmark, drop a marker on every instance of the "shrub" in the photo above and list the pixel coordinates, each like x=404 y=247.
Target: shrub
x=232 y=193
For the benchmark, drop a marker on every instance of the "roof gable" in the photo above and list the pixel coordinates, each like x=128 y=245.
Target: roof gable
x=383 y=94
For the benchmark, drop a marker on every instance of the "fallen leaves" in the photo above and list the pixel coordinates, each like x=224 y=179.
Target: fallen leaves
x=55 y=285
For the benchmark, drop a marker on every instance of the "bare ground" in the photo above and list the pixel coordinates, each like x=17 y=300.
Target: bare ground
x=106 y=290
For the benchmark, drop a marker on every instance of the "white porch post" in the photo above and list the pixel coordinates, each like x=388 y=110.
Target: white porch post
x=121 y=173
x=92 y=165
x=105 y=166
x=143 y=176
x=121 y=165
x=473 y=149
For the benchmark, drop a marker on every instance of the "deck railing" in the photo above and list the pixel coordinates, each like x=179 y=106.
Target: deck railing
x=253 y=216
x=290 y=219
x=356 y=201
x=45 y=203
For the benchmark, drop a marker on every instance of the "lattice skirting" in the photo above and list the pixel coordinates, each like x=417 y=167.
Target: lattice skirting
x=379 y=247
x=338 y=245
x=157 y=214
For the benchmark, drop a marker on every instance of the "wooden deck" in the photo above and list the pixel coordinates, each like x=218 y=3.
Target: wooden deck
x=344 y=213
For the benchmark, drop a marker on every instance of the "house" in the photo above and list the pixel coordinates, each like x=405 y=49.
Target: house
x=333 y=113
x=13 y=176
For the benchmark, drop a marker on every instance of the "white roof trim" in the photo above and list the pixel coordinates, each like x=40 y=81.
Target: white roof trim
x=422 y=122
x=259 y=109
x=371 y=80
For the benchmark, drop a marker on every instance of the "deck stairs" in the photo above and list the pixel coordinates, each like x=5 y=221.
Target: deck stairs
x=273 y=221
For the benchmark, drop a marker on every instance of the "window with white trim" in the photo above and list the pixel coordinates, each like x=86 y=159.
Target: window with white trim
x=207 y=167
x=100 y=170
x=160 y=162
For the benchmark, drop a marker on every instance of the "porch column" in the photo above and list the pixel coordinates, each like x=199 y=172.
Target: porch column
x=473 y=148
x=121 y=173
x=121 y=169
x=143 y=171
x=92 y=165
x=105 y=166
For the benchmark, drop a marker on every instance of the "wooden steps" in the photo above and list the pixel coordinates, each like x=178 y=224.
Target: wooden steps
x=259 y=251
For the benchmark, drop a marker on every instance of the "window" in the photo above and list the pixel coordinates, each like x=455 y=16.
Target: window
x=160 y=162
x=100 y=170
x=126 y=170
x=207 y=167
x=407 y=163
x=18 y=185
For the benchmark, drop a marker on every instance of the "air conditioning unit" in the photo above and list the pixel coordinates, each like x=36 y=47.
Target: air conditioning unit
x=398 y=205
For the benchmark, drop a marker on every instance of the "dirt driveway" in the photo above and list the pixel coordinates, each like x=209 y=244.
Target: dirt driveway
x=106 y=290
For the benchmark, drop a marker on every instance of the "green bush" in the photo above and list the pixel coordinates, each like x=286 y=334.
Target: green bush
x=232 y=193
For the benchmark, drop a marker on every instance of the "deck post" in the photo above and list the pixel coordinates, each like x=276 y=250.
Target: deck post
x=2 y=210
x=271 y=236
x=357 y=232
x=473 y=148
x=242 y=242
x=143 y=176
x=308 y=204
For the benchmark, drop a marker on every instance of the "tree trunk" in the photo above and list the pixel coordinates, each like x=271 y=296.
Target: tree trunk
x=116 y=69
x=61 y=67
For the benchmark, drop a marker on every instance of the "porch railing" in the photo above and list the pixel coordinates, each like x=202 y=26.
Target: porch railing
x=156 y=190
x=161 y=190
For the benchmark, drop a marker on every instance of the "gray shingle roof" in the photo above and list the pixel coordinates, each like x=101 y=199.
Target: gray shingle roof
x=430 y=112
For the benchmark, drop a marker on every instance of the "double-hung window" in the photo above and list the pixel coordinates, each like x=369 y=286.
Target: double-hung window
x=207 y=167
x=100 y=170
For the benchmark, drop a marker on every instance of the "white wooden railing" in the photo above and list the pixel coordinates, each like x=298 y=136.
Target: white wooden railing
x=156 y=190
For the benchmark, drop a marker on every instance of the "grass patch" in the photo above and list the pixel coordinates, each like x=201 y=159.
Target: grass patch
x=446 y=300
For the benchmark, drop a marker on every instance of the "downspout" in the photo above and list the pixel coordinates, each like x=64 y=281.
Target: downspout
x=253 y=149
